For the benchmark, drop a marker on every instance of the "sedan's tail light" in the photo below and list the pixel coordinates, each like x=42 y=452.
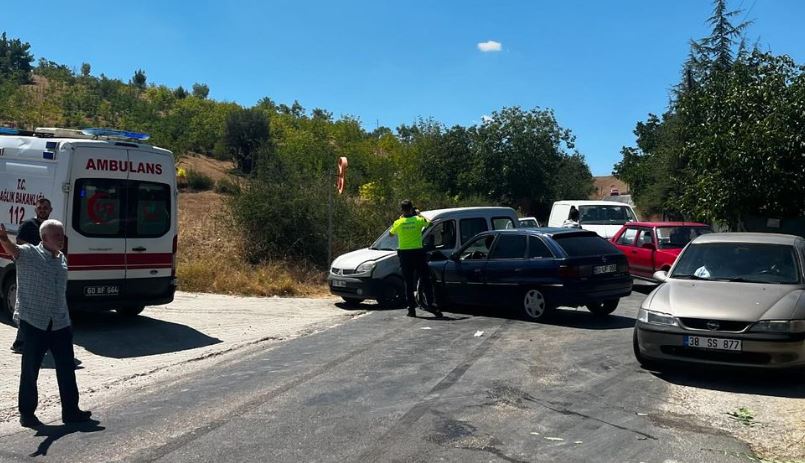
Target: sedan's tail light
x=575 y=271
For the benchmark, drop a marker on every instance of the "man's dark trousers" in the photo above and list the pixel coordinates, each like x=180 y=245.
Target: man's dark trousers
x=36 y=343
x=414 y=263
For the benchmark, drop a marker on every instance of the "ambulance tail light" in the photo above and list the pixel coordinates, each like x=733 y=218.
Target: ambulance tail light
x=173 y=252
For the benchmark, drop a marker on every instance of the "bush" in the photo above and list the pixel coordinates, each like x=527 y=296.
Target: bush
x=227 y=187
x=198 y=181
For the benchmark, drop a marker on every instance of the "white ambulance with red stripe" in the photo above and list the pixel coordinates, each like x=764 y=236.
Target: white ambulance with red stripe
x=117 y=199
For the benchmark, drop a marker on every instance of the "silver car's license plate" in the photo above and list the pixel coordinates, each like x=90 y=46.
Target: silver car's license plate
x=339 y=284
x=701 y=342
x=597 y=270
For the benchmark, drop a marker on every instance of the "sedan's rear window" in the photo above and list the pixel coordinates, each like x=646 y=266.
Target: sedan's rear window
x=585 y=245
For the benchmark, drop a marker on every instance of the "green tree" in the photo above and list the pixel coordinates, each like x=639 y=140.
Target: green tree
x=246 y=130
x=15 y=60
x=139 y=79
x=519 y=153
x=85 y=69
x=201 y=90
x=180 y=93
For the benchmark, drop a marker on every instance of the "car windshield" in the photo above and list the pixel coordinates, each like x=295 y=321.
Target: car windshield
x=528 y=223
x=678 y=237
x=739 y=262
x=386 y=242
x=605 y=215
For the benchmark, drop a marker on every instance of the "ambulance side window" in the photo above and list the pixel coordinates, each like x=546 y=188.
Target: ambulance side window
x=97 y=207
x=153 y=209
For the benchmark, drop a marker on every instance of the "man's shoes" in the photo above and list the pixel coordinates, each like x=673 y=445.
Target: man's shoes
x=412 y=313
x=436 y=312
x=30 y=421
x=78 y=416
x=16 y=348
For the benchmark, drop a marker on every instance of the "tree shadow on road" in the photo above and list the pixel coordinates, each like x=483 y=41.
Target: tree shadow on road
x=786 y=384
x=109 y=335
x=53 y=433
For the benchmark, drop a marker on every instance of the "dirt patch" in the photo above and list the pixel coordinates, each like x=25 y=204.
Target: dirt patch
x=212 y=257
x=213 y=168
x=775 y=428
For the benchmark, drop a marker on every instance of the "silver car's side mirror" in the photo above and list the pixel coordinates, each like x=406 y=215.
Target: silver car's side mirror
x=661 y=276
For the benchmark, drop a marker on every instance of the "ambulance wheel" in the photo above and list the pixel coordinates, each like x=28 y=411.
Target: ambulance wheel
x=10 y=294
x=130 y=311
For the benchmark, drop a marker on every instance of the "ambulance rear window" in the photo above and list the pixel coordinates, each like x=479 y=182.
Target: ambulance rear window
x=98 y=206
x=109 y=208
x=153 y=209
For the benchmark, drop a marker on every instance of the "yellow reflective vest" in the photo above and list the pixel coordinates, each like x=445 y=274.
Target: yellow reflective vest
x=409 y=232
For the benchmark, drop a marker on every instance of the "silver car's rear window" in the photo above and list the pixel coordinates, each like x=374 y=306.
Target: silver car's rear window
x=740 y=262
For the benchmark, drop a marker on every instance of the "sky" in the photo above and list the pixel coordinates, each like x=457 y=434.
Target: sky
x=601 y=66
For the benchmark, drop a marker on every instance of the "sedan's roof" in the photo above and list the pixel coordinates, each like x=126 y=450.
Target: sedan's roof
x=761 y=238
x=549 y=231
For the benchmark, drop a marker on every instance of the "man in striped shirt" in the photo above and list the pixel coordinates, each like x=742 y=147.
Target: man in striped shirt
x=44 y=320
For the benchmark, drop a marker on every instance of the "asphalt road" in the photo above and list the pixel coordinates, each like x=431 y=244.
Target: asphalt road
x=478 y=386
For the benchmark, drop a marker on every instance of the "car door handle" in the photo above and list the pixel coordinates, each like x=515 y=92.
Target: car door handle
x=518 y=270
x=138 y=249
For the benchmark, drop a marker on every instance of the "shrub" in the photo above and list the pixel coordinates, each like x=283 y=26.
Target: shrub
x=198 y=181
x=227 y=187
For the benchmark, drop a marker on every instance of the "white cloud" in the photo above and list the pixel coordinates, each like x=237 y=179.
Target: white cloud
x=490 y=46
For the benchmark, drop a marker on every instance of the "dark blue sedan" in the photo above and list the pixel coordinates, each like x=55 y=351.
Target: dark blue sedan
x=534 y=270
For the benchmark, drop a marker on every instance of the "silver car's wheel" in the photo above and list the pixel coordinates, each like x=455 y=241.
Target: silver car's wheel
x=534 y=305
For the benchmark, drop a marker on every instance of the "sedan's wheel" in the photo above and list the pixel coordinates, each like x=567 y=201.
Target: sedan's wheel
x=352 y=301
x=534 y=305
x=603 y=308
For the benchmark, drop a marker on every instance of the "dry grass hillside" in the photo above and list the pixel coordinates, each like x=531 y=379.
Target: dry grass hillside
x=211 y=256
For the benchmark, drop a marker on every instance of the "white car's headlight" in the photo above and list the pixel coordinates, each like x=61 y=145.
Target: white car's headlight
x=656 y=318
x=779 y=326
x=366 y=267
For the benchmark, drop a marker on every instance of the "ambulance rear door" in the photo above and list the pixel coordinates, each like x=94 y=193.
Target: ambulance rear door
x=96 y=229
x=151 y=231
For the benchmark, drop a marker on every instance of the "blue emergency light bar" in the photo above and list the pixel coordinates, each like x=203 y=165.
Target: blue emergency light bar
x=114 y=133
x=8 y=131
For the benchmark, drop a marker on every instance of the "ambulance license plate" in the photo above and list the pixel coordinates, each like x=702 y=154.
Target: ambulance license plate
x=103 y=290
x=339 y=284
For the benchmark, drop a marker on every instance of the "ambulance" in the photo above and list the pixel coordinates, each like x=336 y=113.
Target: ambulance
x=115 y=195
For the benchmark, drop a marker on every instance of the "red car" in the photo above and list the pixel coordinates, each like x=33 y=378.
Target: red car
x=653 y=246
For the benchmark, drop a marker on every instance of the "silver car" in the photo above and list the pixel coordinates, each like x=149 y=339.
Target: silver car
x=730 y=299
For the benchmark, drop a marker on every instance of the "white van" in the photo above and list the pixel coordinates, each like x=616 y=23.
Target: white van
x=374 y=272
x=602 y=217
x=117 y=199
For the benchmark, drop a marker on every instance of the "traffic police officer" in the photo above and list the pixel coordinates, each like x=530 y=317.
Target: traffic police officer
x=413 y=261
